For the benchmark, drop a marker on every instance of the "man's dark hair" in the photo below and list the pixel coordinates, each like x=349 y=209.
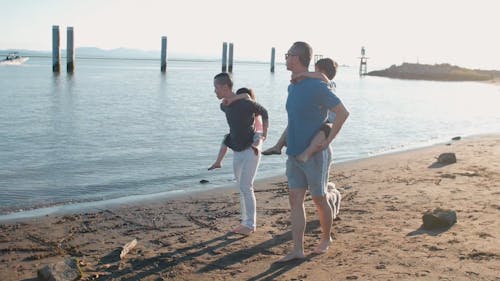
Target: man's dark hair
x=224 y=78
x=304 y=51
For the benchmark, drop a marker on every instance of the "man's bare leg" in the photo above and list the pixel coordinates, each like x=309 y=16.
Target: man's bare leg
x=298 y=218
x=325 y=220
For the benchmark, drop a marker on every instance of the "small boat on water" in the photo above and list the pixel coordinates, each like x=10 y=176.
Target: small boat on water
x=13 y=59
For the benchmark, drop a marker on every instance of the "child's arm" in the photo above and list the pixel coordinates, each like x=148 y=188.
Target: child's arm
x=230 y=100
x=315 y=75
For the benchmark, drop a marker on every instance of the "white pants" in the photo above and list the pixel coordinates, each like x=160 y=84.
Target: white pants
x=245 y=164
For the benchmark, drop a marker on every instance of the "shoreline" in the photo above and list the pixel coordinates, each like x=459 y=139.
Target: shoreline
x=93 y=206
x=378 y=235
x=113 y=203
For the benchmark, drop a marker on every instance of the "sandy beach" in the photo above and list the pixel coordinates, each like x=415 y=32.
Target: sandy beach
x=377 y=237
x=495 y=81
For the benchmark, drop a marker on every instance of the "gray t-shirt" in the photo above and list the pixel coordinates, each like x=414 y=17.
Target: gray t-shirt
x=240 y=118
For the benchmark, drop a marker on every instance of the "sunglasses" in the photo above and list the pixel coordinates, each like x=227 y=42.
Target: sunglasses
x=289 y=55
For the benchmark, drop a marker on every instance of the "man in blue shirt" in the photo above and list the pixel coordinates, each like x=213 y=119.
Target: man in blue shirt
x=307 y=106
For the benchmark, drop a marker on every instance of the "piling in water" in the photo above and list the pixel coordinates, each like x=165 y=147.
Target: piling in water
x=224 y=57
x=273 y=54
x=230 y=66
x=56 y=57
x=70 y=50
x=163 y=53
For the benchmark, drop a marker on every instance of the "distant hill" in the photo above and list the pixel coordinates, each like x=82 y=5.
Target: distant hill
x=438 y=72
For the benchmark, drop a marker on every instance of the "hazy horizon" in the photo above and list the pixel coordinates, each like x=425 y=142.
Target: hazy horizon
x=428 y=32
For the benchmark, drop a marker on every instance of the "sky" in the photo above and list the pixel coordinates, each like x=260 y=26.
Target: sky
x=463 y=33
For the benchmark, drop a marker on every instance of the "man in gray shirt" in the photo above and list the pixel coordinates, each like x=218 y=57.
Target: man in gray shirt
x=240 y=117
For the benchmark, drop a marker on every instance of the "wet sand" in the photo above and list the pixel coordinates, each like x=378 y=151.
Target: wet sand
x=378 y=235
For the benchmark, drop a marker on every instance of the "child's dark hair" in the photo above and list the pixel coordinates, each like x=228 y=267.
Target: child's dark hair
x=329 y=67
x=246 y=91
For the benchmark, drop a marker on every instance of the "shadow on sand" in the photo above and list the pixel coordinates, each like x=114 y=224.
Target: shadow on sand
x=437 y=165
x=263 y=248
x=166 y=262
x=432 y=232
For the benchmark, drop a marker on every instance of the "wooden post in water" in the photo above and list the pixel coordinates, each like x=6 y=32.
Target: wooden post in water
x=70 y=50
x=230 y=66
x=273 y=54
x=224 y=57
x=163 y=53
x=56 y=65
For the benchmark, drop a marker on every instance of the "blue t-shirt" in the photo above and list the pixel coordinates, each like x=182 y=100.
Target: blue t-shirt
x=307 y=105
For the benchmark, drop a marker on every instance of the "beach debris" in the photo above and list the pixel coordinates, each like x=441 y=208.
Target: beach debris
x=66 y=270
x=439 y=218
x=204 y=181
x=456 y=138
x=447 y=158
x=127 y=247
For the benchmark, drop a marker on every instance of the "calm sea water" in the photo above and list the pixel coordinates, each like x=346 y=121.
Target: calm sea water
x=118 y=130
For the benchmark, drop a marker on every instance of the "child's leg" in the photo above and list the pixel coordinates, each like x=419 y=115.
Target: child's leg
x=315 y=144
x=220 y=157
x=313 y=147
x=281 y=142
x=276 y=149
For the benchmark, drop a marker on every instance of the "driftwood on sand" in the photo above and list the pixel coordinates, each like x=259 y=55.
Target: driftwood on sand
x=127 y=247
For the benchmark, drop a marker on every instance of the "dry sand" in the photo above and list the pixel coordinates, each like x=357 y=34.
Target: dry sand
x=495 y=81
x=378 y=236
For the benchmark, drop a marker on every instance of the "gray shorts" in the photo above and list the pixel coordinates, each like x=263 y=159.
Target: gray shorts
x=312 y=174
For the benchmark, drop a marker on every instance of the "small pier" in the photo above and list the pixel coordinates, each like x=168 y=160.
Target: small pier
x=317 y=58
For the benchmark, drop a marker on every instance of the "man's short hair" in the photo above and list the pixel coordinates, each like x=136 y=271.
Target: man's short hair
x=224 y=78
x=303 y=51
x=328 y=67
